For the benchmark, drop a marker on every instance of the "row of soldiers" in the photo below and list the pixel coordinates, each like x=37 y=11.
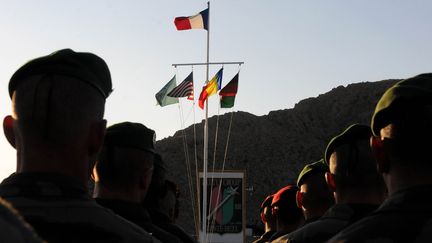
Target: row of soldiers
x=60 y=135
x=373 y=184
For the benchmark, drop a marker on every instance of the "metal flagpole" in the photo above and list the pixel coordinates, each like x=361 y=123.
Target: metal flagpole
x=204 y=204
x=206 y=63
x=203 y=237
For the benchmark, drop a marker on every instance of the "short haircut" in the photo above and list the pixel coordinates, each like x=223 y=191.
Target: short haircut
x=410 y=133
x=284 y=203
x=318 y=194
x=56 y=109
x=355 y=167
x=121 y=168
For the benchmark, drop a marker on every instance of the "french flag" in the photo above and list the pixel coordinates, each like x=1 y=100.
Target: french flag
x=199 y=21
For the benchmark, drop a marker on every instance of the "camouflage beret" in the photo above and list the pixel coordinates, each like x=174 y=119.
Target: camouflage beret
x=266 y=203
x=130 y=135
x=309 y=169
x=353 y=133
x=415 y=91
x=285 y=197
x=83 y=66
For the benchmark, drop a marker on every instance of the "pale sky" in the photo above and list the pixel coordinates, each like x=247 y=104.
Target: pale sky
x=292 y=49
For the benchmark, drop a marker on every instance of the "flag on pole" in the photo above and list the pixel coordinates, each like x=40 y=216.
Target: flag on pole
x=161 y=96
x=198 y=21
x=184 y=89
x=211 y=88
x=228 y=93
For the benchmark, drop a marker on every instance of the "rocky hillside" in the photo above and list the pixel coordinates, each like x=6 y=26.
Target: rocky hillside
x=272 y=149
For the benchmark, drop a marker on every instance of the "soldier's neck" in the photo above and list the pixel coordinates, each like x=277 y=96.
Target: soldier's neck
x=116 y=194
x=401 y=178
x=41 y=159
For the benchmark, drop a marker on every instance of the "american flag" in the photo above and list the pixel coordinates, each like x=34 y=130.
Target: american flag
x=184 y=89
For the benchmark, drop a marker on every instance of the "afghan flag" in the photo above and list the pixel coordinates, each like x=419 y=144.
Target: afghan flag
x=229 y=92
x=199 y=21
x=161 y=96
x=211 y=88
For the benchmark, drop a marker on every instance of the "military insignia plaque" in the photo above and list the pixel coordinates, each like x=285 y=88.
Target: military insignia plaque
x=225 y=206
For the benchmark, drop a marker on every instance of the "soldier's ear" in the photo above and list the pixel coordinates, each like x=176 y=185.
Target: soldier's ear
x=299 y=199
x=94 y=174
x=8 y=129
x=378 y=150
x=330 y=181
x=275 y=211
x=263 y=219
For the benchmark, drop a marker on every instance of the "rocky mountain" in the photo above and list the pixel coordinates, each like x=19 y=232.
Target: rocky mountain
x=271 y=149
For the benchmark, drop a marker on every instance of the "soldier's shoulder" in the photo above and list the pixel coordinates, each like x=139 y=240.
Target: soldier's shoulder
x=111 y=221
x=13 y=227
x=317 y=231
x=390 y=226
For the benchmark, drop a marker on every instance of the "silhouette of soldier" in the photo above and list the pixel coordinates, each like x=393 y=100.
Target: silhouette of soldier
x=402 y=130
x=153 y=203
x=123 y=174
x=357 y=187
x=169 y=200
x=267 y=219
x=13 y=228
x=285 y=211
x=314 y=196
x=57 y=129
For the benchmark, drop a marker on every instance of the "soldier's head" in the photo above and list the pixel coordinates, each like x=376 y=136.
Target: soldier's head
x=266 y=215
x=157 y=184
x=352 y=166
x=125 y=163
x=314 y=196
x=284 y=208
x=402 y=129
x=57 y=109
x=169 y=200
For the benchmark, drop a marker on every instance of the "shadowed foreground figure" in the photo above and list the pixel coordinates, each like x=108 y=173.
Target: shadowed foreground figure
x=154 y=203
x=267 y=219
x=285 y=211
x=357 y=187
x=13 y=228
x=314 y=196
x=402 y=127
x=57 y=129
x=123 y=174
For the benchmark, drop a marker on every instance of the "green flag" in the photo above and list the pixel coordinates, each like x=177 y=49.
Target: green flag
x=161 y=96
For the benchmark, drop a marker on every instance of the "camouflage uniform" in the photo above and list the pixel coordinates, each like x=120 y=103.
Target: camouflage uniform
x=334 y=220
x=13 y=228
x=61 y=210
x=406 y=216
x=138 y=215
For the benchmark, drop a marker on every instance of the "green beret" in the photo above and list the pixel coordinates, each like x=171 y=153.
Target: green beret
x=416 y=90
x=86 y=67
x=130 y=135
x=353 y=133
x=309 y=169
